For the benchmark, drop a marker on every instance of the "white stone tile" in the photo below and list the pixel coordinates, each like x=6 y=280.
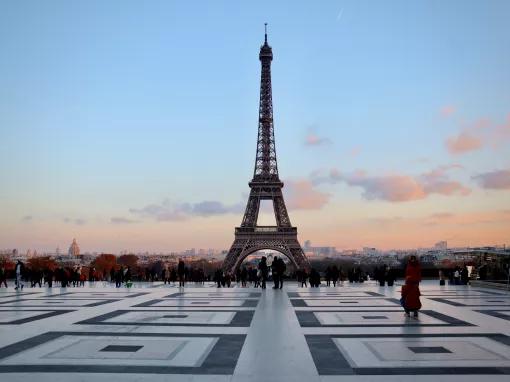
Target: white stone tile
x=9 y=316
x=52 y=302
x=350 y=302
x=86 y=350
x=369 y=318
x=395 y=352
x=201 y=303
x=176 y=317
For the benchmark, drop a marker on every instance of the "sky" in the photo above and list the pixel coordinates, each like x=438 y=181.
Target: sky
x=132 y=125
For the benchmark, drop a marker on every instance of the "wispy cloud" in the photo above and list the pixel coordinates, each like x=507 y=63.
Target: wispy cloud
x=437 y=181
x=501 y=133
x=464 y=142
x=121 y=220
x=355 y=151
x=27 y=218
x=169 y=211
x=314 y=140
x=76 y=221
x=447 y=110
x=496 y=180
x=444 y=219
x=397 y=187
x=479 y=134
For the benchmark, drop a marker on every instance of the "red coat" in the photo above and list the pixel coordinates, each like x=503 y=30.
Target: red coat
x=411 y=295
x=413 y=272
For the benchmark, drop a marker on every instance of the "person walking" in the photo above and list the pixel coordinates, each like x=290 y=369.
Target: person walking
x=303 y=277
x=456 y=276
x=263 y=271
x=3 y=276
x=328 y=276
x=410 y=290
x=118 y=277
x=218 y=275
x=49 y=277
x=464 y=275
x=275 y=266
x=281 y=271
x=181 y=272
x=244 y=277
x=335 y=274
x=256 y=277
x=390 y=276
x=19 y=270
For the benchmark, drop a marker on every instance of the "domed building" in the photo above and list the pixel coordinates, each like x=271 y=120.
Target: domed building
x=74 y=249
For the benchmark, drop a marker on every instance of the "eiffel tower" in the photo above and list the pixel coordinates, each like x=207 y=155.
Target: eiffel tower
x=265 y=185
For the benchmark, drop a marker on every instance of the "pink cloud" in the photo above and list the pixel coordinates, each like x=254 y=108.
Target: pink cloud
x=301 y=194
x=462 y=143
x=497 y=180
x=399 y=188
x=448 y=110
x=313 y=140
x=436 y=181
x=440 y=171
x=355 y=151
x=446 y=188
x=501 y=133
x=471 y=137
x=393 y=188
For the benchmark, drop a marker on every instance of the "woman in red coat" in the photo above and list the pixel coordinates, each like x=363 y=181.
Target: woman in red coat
x=411 y=290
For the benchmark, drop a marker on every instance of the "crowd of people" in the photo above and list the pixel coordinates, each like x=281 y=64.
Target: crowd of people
x=76 y=276
x=455 y=276
x=255 y=275
x=385 y=274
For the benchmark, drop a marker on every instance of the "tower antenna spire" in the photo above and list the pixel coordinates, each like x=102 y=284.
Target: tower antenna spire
x=265 y=33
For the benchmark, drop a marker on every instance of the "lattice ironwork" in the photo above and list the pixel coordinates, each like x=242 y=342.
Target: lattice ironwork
x=265 y=185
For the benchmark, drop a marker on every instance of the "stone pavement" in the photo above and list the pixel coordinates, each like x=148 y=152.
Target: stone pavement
x=163 y=333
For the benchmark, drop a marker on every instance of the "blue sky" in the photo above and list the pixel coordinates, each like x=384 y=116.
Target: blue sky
x=107 y=108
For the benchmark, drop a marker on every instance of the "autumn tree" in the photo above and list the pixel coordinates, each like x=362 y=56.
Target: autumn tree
x=41 y=263
x=130 y=261
x=7 y=264
x=103 y=263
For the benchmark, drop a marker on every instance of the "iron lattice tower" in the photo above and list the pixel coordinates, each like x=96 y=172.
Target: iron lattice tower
x=265 y=185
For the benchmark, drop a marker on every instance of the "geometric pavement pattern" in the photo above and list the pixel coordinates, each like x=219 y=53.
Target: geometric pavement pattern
x=199 y=333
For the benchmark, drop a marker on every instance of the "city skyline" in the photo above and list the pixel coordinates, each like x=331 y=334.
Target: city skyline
x=126 y=133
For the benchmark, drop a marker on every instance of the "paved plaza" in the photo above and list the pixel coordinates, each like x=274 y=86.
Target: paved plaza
x=157 y=332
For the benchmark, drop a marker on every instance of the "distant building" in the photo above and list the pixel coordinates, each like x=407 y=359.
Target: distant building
x=74 y=249
x=370 y=251
x=311 y=251
x=441 y=245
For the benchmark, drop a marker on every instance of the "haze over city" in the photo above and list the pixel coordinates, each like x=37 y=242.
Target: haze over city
x=134 y=128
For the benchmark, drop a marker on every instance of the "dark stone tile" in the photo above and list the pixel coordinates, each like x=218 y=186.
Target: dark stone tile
x=44 y=314
x=375 y=317
x=175 y=316
x=122 y=348
x=242 y=318
x=428 y=349
x=496 y=313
